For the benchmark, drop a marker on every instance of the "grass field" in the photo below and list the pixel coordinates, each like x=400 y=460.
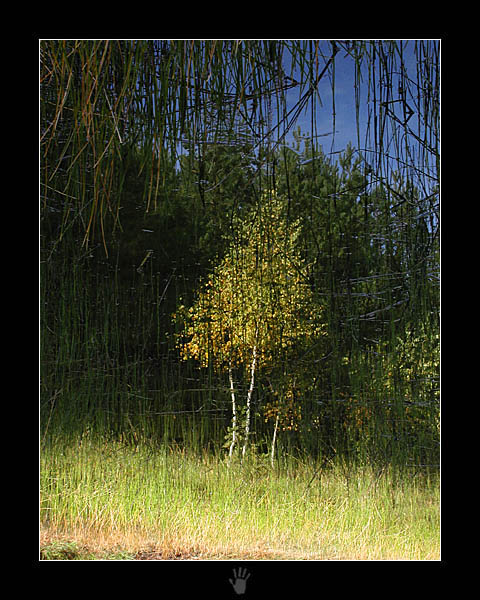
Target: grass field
x=105 y=500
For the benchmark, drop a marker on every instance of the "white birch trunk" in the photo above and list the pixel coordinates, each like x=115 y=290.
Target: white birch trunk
x=234 y=411
x=274 y=438
x=249 y=398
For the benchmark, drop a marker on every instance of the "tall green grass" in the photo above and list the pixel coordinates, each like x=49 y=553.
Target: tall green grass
x=168 y=503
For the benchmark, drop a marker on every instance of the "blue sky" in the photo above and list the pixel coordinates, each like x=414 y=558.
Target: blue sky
x=345 y=120
x=345 y=108
x=415 y=162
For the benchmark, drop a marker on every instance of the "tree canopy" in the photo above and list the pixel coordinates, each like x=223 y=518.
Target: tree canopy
x=258 y=297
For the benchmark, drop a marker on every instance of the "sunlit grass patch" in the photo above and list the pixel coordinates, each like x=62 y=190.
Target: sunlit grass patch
x=112 y=498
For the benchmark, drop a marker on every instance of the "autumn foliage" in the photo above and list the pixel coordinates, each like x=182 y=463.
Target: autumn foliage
x=257 y=306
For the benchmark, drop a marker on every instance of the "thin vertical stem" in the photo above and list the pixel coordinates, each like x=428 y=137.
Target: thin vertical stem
x=249 y=398
x=234 y=411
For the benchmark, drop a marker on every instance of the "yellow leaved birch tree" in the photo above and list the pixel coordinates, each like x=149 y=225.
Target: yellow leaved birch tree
x=256 y=307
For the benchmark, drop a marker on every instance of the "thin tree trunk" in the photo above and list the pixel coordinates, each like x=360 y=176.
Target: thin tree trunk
x=274 y=437
x=234 y=411
x=249 y=398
